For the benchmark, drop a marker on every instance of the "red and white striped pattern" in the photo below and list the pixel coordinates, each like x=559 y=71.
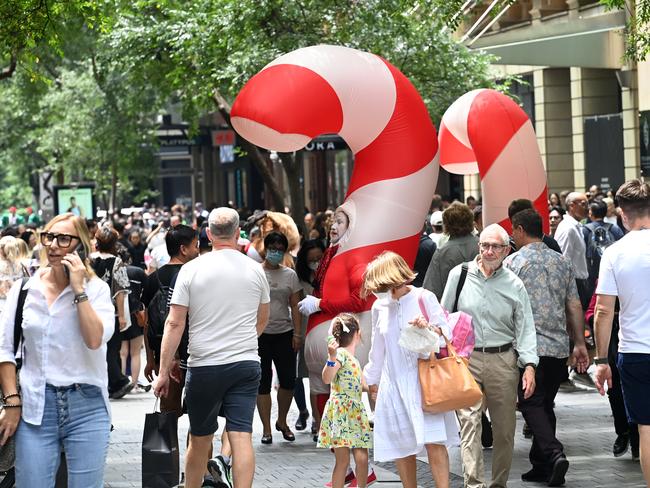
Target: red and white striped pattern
x=486 y=132
x=372 y=105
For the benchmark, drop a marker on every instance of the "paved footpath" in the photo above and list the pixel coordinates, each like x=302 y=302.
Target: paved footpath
x=584 y=421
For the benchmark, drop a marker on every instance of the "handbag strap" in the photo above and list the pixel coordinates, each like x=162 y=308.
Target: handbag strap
x=459 y=287
x=450 y=347
x=423 y=308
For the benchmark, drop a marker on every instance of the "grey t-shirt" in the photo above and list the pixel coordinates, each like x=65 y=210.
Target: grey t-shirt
x=283 y=283
x=222 y=290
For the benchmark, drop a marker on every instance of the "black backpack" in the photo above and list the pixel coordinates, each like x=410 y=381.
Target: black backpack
x=597 y=238
x=157 y=313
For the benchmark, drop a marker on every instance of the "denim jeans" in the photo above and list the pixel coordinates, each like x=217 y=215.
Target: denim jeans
x=75 y=420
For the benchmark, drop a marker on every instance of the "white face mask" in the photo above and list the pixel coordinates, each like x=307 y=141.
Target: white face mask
x=313 y=265
x=381 y=294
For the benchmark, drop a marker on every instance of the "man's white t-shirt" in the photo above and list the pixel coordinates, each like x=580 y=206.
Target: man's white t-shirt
x=222 y=290
x=624 y=272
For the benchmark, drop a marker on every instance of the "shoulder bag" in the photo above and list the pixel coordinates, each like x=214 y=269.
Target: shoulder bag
x=446 y=384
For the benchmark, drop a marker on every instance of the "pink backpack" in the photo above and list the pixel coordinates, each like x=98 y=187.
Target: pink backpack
x=460 y=323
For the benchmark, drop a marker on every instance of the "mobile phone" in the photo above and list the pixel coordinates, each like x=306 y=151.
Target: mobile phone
x=81 y=252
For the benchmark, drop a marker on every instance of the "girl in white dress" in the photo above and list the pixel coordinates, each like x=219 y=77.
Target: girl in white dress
x=402 y=429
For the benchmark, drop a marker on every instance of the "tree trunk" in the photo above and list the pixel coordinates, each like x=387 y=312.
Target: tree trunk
x=293 y=168
x=257 y=157
x=113 y=186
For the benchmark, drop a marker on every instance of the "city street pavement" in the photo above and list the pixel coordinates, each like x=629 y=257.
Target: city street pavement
x=584 y=422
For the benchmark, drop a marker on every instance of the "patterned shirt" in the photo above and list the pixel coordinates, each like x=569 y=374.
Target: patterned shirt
x=550 y=282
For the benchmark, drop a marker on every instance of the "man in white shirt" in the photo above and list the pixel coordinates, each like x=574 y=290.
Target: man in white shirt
x=226 y=295
x=570 y=238
x=624 y=272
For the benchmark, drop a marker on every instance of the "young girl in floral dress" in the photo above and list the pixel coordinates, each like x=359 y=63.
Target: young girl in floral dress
x=344 y=425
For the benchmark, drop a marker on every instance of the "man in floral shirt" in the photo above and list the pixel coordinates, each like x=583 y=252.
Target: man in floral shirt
x=550 y=282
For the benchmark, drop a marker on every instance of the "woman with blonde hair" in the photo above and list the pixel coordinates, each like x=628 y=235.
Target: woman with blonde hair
x=11 y=265
x=402 y=429
x=62 y=402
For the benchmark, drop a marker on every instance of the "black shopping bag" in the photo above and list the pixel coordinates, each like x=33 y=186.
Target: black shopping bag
x=160 y=463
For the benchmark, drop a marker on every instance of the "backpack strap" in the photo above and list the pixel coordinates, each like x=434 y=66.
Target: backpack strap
x=459 y=287
x=18 y=320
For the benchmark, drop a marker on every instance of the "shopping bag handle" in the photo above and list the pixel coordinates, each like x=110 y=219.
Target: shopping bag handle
x=156 y=405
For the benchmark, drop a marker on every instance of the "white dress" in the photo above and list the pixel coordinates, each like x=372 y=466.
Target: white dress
x=402 y=428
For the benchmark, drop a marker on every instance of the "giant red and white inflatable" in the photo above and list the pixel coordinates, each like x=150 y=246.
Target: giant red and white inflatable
x=486 y=132
x=377 y=111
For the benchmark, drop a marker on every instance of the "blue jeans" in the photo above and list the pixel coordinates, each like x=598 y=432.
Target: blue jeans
x=75 y=420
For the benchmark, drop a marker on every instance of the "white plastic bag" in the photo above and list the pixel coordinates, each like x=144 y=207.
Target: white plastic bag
x=419 y=340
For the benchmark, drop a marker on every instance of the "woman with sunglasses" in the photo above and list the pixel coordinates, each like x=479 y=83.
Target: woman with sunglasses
x=62 y=403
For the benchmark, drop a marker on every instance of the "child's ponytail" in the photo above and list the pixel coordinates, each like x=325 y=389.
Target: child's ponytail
x=344 y=328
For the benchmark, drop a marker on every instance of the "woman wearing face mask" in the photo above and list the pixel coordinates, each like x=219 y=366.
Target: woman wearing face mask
x=281 y=339
x=402 y=429
x=307 y=262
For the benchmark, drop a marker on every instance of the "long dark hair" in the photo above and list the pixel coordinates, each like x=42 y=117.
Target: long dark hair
x=302 y=268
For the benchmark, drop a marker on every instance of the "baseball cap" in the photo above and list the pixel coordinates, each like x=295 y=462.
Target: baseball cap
x=436 y=218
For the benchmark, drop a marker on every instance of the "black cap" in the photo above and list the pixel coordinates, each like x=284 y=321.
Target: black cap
x=204 y=242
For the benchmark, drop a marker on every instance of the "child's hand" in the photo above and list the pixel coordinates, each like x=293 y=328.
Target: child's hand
x=332 y=346
x=372 y=392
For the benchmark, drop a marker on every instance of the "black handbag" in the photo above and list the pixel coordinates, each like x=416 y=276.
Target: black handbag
x=160 y=455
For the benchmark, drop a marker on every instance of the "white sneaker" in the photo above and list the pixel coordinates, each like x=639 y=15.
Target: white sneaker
x=220 y=470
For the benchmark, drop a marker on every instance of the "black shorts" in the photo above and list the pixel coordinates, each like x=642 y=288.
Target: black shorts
x=229 y=390
x=277 y=348
x=635 y=383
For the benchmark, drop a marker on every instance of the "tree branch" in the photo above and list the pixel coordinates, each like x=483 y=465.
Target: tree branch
x=9 y=71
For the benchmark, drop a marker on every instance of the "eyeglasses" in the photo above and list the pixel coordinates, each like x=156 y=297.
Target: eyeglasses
x=486 y=246
x=63 y=240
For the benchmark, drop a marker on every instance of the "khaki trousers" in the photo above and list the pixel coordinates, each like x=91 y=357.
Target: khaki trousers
x=498 y=375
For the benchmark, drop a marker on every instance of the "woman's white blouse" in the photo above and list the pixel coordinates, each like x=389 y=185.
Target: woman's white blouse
x=54 y=351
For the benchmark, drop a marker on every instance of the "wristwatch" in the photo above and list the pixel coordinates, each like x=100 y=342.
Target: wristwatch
x=601 y=361
x=81 y=297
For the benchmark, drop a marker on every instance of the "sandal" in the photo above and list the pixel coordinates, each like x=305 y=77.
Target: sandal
x=286 y=433
x=267 y=439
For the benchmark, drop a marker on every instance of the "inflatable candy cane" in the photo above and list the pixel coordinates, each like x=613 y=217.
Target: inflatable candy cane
x=486 y=132
x=377 y=111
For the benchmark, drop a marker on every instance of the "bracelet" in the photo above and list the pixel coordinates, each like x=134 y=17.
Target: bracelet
x=81 y=297
x=598 y=361
x=11 y=405
x=331 y=364
x=4 y=398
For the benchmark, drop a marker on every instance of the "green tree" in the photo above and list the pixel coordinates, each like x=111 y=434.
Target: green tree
x=637 y=31
x=204 y=51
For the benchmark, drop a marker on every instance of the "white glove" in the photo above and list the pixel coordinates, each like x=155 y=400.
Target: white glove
x=309 y=305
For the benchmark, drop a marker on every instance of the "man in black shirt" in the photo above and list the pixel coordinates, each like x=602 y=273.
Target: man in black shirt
x=183 y=246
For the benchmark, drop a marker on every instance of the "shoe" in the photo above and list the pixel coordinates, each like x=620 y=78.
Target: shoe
x=349 y=478
x=219 y=470
x=146 y=388
x=314 y=428
x=559 y=469
x=486 y=433
x=583 y=380
x=286 y=433
x=267 y=439
x=301 y=423
x=208 y=481
x=315 y=438
x=372 y=478
x=527 y=431
x=535 y=475
x=121 y=391
x=621 y=444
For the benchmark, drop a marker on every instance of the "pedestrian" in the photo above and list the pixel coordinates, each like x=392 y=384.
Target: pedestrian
x=226 y=295
x=281 y=339
x=62 y=404
x=624 y=268
x=505 y=341
x=462 y=246
x=110 y=268
x=307 y=262
x=345 y=425
x=402 y=430
x=136 y=247
x=550 y=284
x=11 y=266
x=555 y=215
x=571 y=240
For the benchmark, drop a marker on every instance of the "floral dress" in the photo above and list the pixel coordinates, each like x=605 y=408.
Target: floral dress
x=345 y=422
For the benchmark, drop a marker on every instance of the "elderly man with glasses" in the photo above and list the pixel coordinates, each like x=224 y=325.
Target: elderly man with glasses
x=505 y=341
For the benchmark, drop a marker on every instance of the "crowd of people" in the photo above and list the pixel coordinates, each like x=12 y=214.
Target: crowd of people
x=219 y=300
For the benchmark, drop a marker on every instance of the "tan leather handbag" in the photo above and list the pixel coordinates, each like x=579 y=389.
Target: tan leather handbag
x=447 y=384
